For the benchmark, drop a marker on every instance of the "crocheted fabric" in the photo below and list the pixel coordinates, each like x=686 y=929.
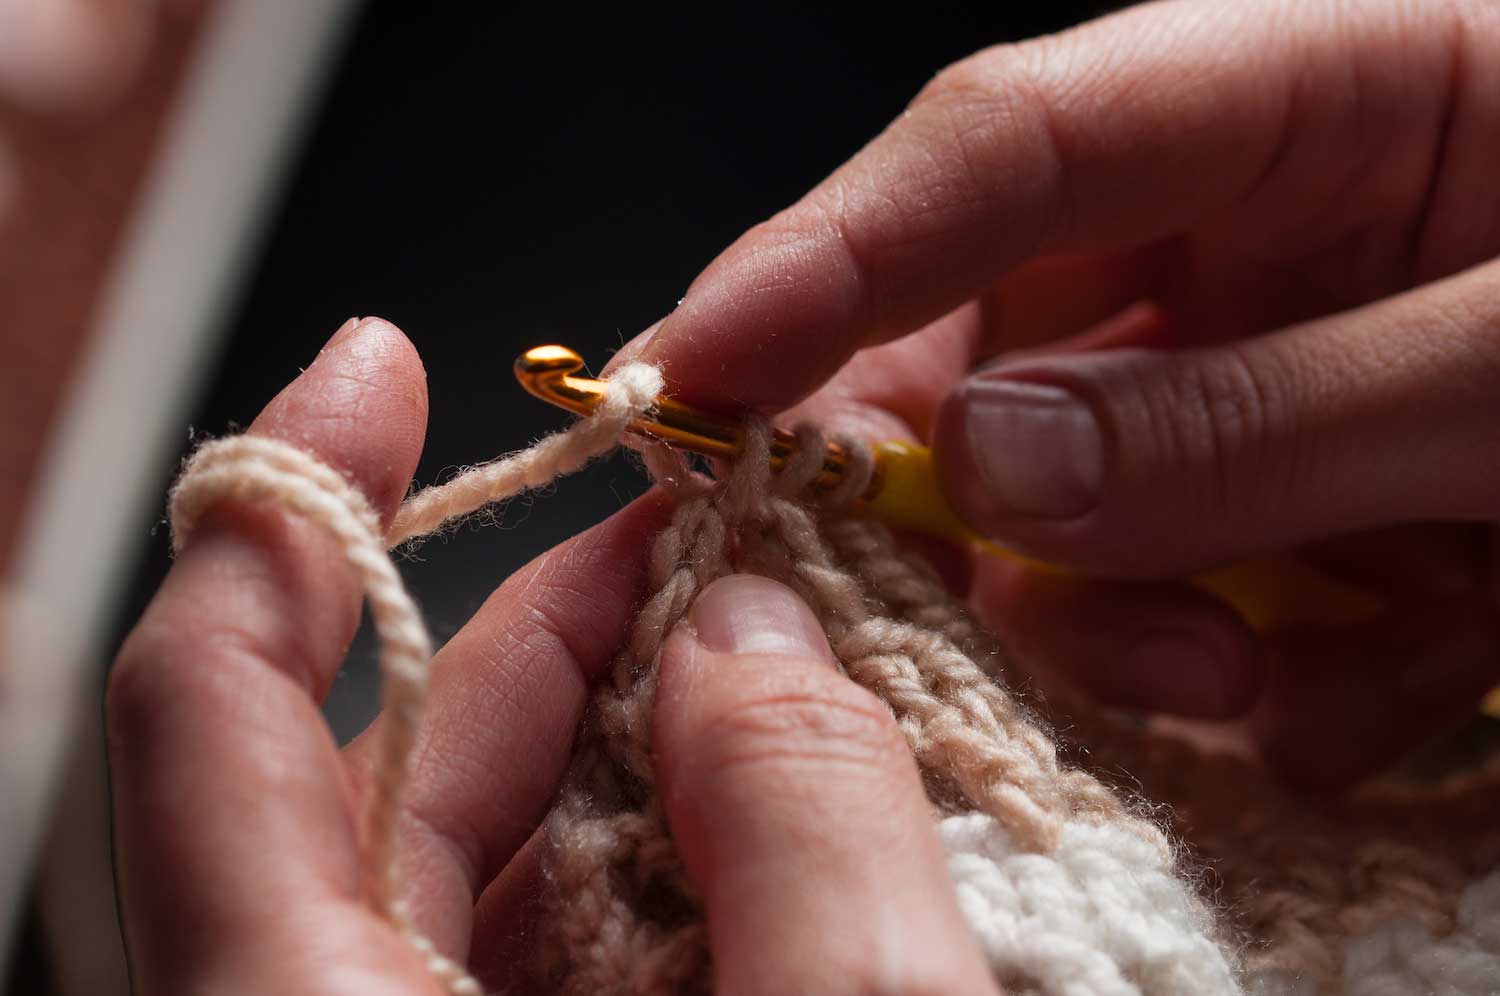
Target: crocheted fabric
x=1069 y=888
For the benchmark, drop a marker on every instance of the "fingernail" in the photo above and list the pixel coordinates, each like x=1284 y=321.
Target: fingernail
x=745 y=614
x=1038 y=448
x=1178 y=672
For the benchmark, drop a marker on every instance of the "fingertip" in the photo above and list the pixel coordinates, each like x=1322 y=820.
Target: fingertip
x=1155 y=646
x=361 y=407
x=257 y=578
x=1199 y=664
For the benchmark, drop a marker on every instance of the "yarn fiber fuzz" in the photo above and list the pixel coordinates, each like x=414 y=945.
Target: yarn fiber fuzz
x=1069 y=888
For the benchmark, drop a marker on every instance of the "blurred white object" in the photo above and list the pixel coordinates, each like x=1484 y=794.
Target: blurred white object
x=253 y=78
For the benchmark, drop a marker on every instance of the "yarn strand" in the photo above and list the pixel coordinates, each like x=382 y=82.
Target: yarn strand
x=1069 y=889
x=632 y=392
x=255 y=469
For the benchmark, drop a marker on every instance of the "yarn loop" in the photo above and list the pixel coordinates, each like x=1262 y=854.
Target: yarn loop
x=1069 y=890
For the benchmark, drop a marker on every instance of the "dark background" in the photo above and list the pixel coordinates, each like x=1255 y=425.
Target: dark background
x=491 y=179
x=501 y=179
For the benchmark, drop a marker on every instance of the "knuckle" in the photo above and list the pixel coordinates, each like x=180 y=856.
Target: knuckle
x=790 y=228
x=132 y=689
x=822 y=722
x=974 y=79
x=972 y=117
x=1223 y=423
x=819 y=231
x=975 y=109
x=159 y=670
x=1469 y=324
x=141 y=684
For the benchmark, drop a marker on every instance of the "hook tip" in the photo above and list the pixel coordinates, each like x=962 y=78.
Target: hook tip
x=548 y=360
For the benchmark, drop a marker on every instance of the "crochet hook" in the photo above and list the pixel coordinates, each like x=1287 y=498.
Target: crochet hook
x=1270 y=593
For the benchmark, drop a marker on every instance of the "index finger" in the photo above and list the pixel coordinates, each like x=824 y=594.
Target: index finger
x=1124 y=130
x=233 y=819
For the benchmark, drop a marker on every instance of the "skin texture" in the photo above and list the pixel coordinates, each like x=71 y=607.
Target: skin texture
x=772 y=759
x=236 y=815
x=1253 y=240
x=1254 y=243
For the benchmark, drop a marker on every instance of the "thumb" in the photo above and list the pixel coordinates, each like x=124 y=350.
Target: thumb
x=799 y=811
x=1145 y=462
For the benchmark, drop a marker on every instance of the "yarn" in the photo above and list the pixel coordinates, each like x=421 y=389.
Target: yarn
x=1102 y=913
x=619 y=896
x=256 y=469
x=1402 y=955
x=1069 y=889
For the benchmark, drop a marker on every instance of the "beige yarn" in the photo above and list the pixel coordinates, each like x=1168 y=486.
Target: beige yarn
x=1378 y=895
x=255 y=469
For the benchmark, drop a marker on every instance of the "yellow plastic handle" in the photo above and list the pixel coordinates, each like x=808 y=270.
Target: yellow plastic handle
x=1270 y=593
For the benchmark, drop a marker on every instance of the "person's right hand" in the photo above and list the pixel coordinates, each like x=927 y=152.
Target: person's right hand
x=1300 y=198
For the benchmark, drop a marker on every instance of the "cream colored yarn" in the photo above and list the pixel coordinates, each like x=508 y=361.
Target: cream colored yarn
x=253 y=469
x=1068 y=889
x=624 y=918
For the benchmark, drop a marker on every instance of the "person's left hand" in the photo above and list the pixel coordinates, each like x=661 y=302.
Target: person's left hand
x=795 y=803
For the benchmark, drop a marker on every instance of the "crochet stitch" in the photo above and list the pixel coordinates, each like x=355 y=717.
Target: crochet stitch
x=1069 y=890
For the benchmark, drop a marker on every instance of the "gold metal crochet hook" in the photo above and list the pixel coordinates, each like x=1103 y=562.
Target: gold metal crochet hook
x=548 y=372
x=1270 y=593
x=904 y=492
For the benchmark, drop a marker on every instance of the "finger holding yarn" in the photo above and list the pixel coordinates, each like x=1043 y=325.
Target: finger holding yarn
x=622 y=909
x=256 y=470
x=1068 y=889
x=219 y=753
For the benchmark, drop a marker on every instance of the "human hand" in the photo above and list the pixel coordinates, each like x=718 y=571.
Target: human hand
x=1184 y=284
x=786 y=786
